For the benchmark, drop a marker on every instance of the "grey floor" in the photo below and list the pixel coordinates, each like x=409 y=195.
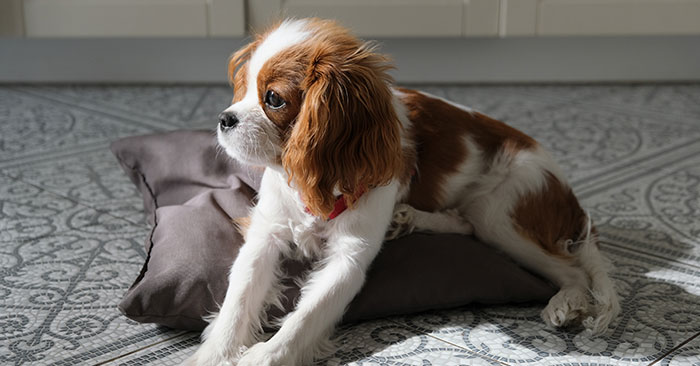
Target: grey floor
x=72 y=228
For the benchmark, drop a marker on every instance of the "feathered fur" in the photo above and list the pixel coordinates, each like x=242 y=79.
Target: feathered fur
x=403 y=161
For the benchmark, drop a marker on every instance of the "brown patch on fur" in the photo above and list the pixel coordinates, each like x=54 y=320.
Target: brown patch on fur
x=242 y=224
x=283 y=74
x=438 y=129
x=551 y=216
x=347 y=134
x=238 y=70
x=338 y=126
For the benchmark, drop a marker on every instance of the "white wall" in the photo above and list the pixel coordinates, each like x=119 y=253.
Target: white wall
x=455 y=41
x=444 y=60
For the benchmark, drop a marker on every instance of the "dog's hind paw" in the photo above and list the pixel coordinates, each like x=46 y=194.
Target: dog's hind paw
x=606 y=310
x=567 y=306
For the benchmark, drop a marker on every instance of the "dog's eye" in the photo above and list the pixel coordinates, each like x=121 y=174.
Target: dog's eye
x=273 y=100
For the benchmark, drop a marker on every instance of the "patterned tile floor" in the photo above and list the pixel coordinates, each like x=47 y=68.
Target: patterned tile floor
x=72 y=228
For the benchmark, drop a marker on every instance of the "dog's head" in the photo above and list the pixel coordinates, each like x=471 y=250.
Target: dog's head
x=316 y=101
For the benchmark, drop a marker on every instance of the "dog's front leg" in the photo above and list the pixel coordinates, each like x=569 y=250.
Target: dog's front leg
x=324 y=298
x=354 y=241
x=252 y=277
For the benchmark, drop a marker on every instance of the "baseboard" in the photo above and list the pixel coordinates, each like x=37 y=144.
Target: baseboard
x=488 y=60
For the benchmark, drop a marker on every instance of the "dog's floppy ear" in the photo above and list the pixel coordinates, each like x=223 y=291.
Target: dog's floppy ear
x=238 y=71
x=347 y=134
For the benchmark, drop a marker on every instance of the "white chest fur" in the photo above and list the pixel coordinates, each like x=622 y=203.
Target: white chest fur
x=309 y=236
x=306 y=234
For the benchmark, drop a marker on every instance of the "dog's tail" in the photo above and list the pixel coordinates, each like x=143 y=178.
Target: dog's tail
x=606 y=304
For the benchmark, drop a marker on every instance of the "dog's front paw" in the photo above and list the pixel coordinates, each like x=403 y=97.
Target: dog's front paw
x=208 y=356
x=263 y=354
x=198 y=359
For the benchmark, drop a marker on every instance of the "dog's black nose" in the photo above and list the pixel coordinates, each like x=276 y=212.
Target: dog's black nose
x=227 y=120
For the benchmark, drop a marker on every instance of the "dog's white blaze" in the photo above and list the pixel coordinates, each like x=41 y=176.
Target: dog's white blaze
x=256 y=141
x=288 y=34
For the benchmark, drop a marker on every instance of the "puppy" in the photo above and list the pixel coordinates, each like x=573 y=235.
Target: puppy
x=350 y=160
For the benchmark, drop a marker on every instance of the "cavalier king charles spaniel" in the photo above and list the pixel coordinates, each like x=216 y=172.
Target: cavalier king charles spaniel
x=351 y=161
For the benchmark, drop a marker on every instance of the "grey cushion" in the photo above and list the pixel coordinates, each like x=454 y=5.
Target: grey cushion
x=191 y=193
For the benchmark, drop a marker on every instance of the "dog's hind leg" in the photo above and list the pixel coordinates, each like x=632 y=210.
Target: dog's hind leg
x=572 y=302
x=606 y=302
x=568 y=306
x=548 y=232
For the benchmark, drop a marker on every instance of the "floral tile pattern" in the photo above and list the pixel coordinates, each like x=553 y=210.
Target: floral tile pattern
x=688 y=354
x=659 y=311
x=168 y=104
x=36 y=129
x=657 y=210
x=72 y=228
x=92 y=178
x=676 y=99
x=380 y=342
x=59 y=294
x=28 y=211
x=386 y=342
x=169 y=352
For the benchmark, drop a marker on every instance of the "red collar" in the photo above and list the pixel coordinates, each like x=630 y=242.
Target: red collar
x=340 y=206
